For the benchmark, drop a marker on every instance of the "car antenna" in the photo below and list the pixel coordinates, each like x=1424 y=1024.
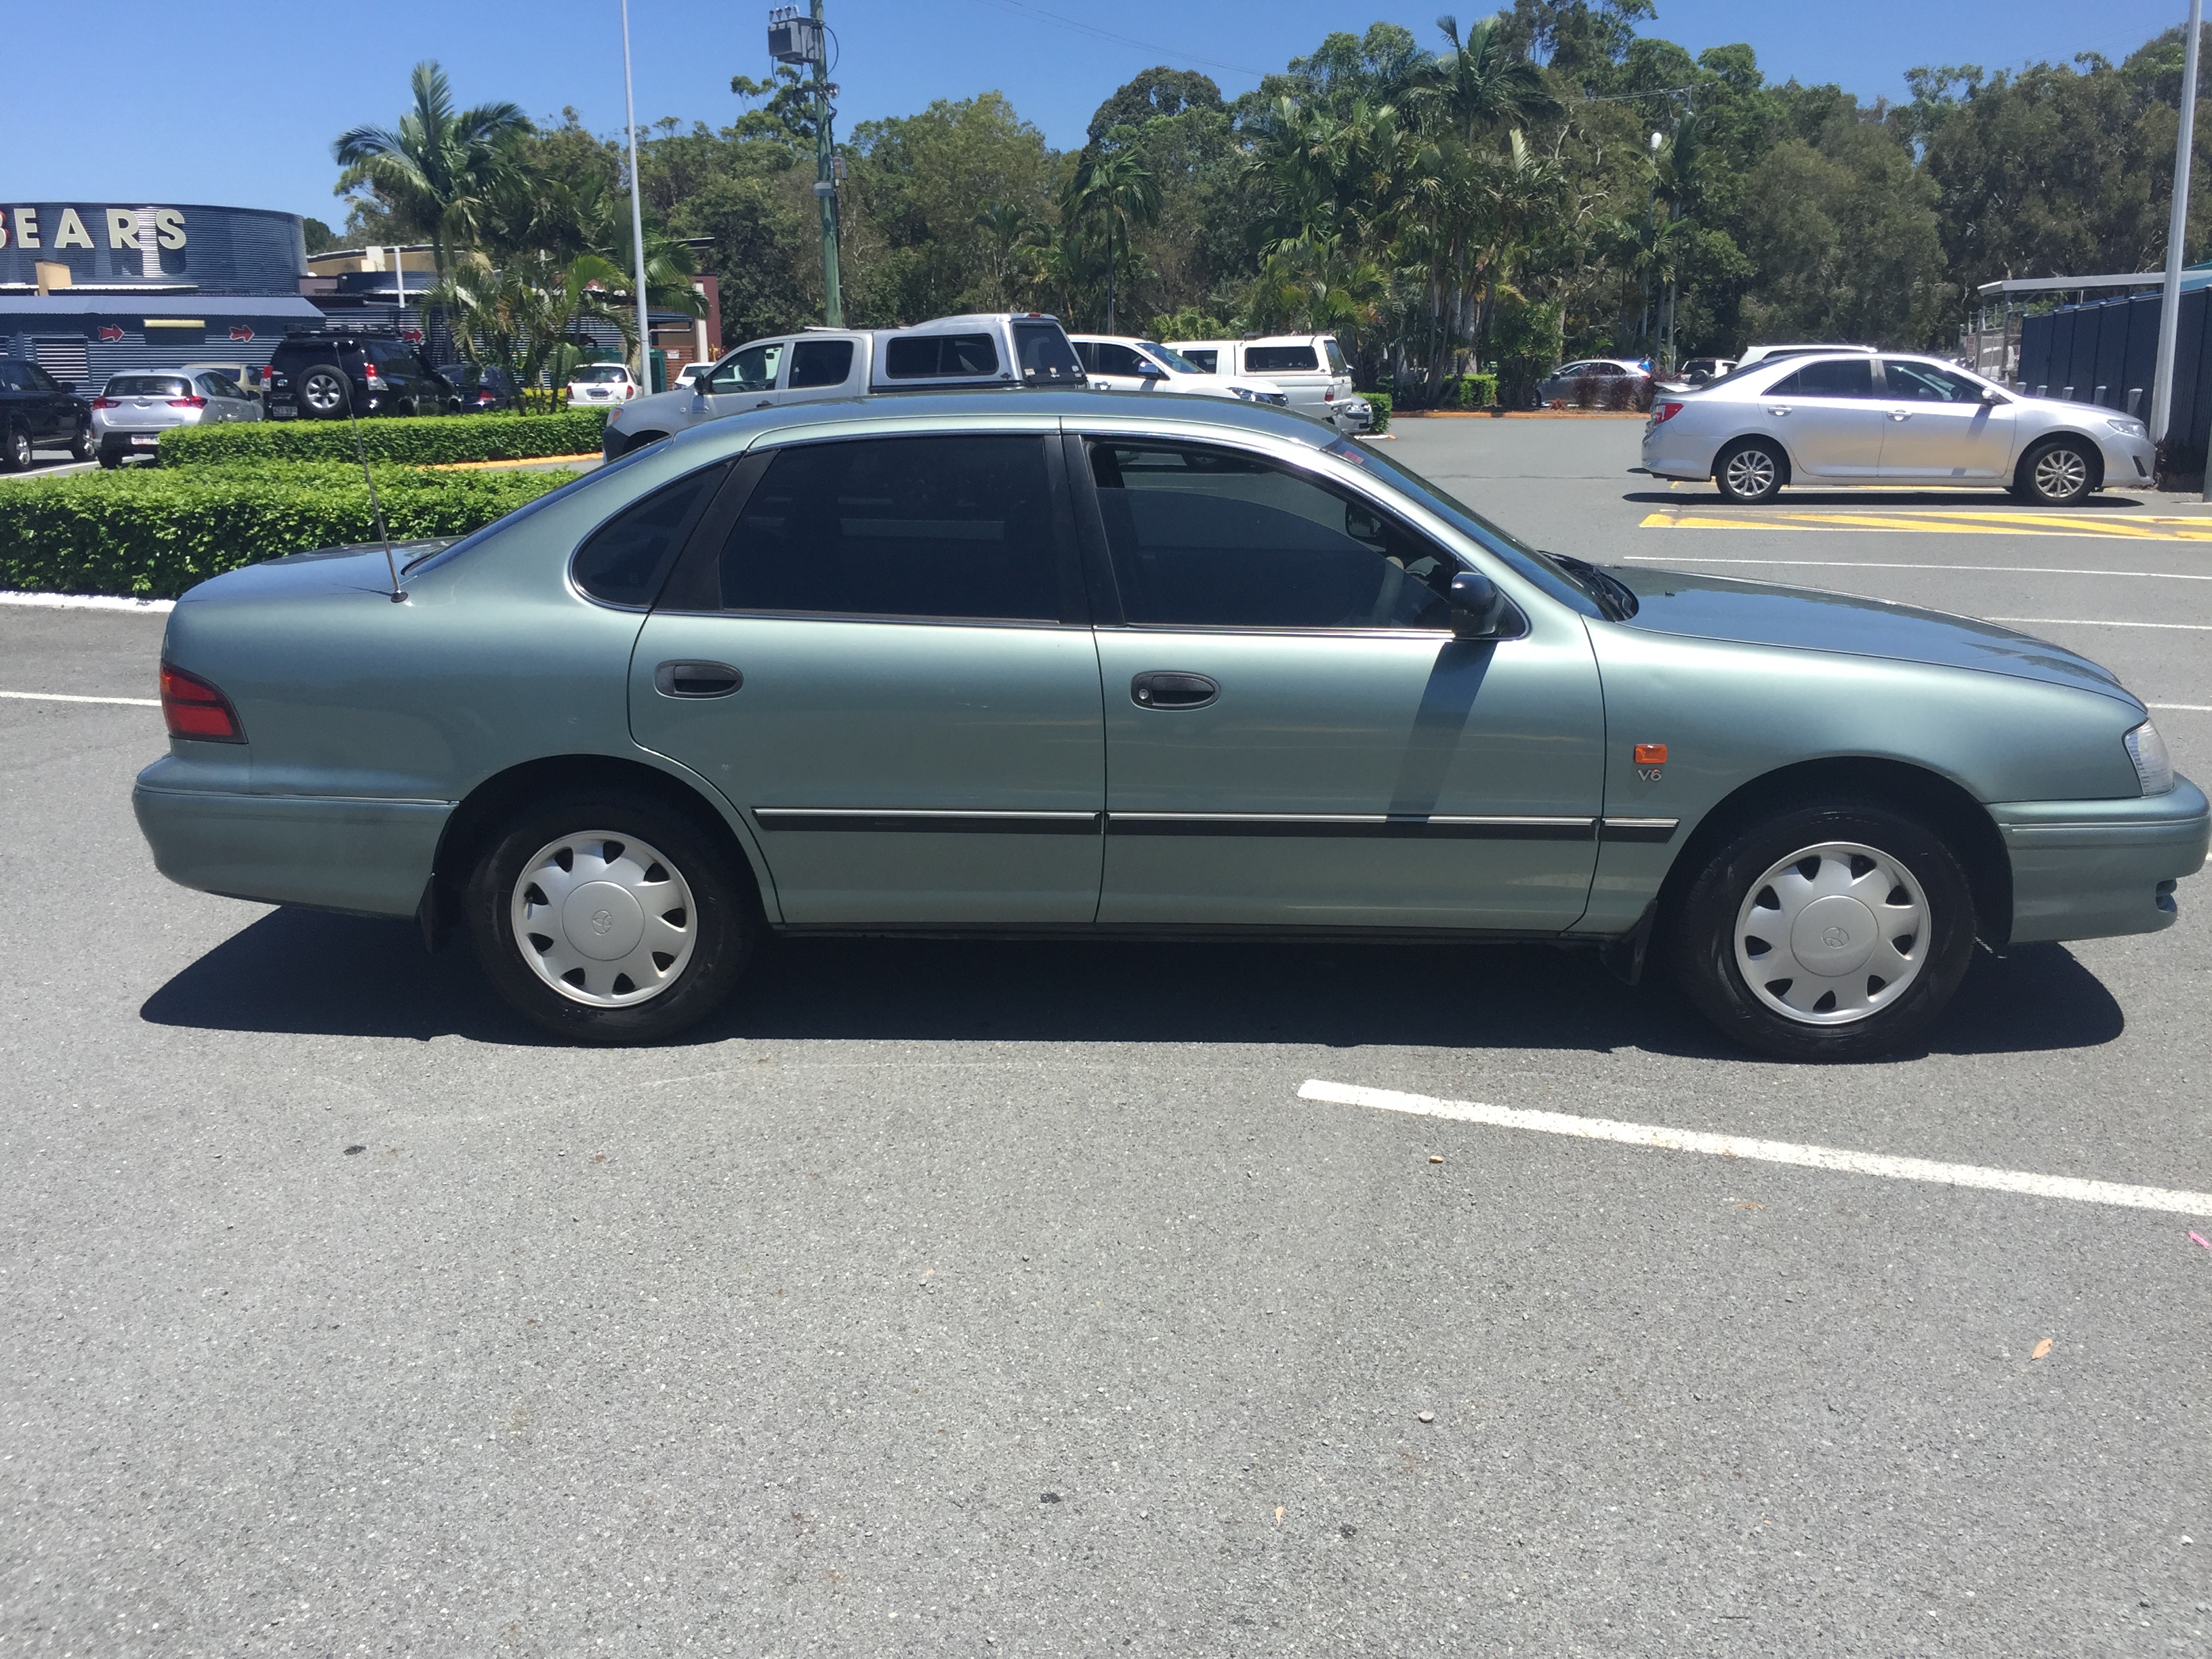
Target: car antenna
x=375 y=507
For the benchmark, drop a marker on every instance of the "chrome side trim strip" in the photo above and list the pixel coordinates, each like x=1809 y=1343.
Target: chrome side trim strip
x=926 y=821
x=1355 y=826
x=1644 y=830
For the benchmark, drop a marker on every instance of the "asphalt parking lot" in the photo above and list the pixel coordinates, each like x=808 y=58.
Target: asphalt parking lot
x=965 y=1299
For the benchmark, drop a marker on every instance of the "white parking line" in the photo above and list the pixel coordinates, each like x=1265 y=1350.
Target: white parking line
x=2094 y=621
x=1765 y=1152
x=1888 y=564
x=63 y=696
x=2183 y=708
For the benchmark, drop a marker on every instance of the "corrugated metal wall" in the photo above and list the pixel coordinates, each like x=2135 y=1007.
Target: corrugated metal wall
x=2103 y=351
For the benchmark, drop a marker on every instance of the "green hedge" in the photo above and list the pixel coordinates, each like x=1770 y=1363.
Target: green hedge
x=1469 y=392
x=153 y=533
x=1380 y=403
x=424 y=440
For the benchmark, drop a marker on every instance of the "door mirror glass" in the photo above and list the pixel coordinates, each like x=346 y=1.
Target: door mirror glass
x=1478 y=608
x=1363 y=524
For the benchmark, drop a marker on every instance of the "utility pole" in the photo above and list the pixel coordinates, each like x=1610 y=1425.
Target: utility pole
x=2177 y=228
x=795 y=40
x=636 y=215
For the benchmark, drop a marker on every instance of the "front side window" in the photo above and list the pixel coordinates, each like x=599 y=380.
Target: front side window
x=1208 y=538
x=943 y=529
x=752 y=369
x=820 y=362
x=1118 y=360
x=625 y=559
x=1839 y=377
x=1280 y=359
x=935 y=356
x=1925 y=383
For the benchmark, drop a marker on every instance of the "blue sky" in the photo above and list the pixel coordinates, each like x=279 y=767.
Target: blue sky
x=236 y=103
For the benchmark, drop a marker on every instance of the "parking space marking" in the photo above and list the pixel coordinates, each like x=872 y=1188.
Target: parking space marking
x=64 y=696
x=1765 y=1152
x=2135 y=527
x=2096 y=621
x=2182 y=707
x=1896 y=565
x=89 y=602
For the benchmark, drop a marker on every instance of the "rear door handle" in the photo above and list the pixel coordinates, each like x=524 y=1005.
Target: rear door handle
x=1172 y=688
x=697 y=679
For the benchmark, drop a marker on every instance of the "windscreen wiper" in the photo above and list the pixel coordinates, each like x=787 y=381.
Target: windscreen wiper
x=1614 y=597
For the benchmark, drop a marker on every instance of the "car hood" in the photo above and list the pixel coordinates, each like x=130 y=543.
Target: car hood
x=676 y=404
x=1809 y=619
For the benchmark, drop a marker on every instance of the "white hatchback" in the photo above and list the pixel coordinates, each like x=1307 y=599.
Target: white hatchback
x=601 y=383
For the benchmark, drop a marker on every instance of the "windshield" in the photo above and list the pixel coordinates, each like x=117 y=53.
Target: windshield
x=598 y=371
x=1173 y=360
x=1561 y=582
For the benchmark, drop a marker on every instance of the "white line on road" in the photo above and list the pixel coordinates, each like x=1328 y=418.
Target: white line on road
x=63 y=696
x=1765 y=1152
x=1886 y=564
x=2183 y=708
x=2094 y=621
x=89 y=602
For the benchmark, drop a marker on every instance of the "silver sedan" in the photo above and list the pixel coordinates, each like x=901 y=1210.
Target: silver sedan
x=1889 y=419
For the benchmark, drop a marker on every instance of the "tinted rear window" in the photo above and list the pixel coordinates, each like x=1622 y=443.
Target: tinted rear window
x=1279 y=360
x=147 y=385
x=938 y=355
x=1839 y=377
x=1205 y=359
x=821 y=362
x=1336 y=363
x=1046 y=352
x=626 y=558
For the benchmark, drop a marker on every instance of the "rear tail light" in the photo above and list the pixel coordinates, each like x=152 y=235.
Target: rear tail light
x=368 y=373
x=195 y=709
x=188 y=403
x=106 y=403
x=1665 y=412
x=1328 y=397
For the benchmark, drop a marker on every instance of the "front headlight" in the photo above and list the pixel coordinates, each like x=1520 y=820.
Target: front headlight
x=2128 y=427
x=2153 y=766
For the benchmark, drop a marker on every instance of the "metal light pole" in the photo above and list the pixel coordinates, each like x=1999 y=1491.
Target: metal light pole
x=825 y=181
x=2169 y=299
x=636 y=215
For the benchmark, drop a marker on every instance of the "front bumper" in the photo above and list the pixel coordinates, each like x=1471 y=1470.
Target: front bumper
x=2090 y=869
x=372 y=857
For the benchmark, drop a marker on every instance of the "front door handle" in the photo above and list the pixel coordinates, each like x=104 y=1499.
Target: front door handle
x=1900 y=414
x=697 y=679
x=1170 y=688
x=1772 y=409
x=764 y=403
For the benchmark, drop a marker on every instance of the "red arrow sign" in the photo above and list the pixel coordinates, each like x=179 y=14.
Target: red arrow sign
x=107 y=333
x=240 y=332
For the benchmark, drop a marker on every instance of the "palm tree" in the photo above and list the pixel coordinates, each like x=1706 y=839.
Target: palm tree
x=1114 y=192
x=1477 y=88
x=438 y=172
x=1004 y=225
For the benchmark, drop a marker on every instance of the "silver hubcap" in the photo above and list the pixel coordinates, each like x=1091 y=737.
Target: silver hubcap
x=1832 y=934
x=604 y=918
x=321 y=393
x=2061 y=472
x=1750 y=472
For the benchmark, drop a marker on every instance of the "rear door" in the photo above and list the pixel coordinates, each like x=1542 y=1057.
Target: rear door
x=883 y=658
x=1938 y=427
x=1825 y=415
x=816 y=369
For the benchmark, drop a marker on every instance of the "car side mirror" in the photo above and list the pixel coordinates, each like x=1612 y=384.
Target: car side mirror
x=1150 y=371
x=1990 y=395
x=1363 y=524
x=1479 y=610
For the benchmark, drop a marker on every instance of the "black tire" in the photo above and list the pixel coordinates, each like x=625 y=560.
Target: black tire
x=15 y=449
x=110 y=459
x=1751 y=470
x=324 y=392
x=2057 y=472
x=86 y=446
x=1735 y=884
x=723 y=921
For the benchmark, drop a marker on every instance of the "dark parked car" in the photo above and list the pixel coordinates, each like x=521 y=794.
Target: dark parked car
x=36 y=409
x=480 y=387
x=309 y=374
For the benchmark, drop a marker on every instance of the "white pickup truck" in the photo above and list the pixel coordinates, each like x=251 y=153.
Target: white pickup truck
x=1004 y=349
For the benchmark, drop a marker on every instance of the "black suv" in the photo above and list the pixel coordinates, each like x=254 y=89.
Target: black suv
x=310 y=373
x=36 y=409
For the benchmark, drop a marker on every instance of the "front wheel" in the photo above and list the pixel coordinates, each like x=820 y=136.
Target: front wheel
x=1825 y=933
x=1751 y=471
x=14 y=450
x=2059 y=473
x=610 y=921
x=86 y=446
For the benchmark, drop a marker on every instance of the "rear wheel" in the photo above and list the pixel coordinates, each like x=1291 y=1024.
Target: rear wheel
x=608 y=920
x=1825 y=932
x=2057 y=473
x=1752 y=471
x=324 y=393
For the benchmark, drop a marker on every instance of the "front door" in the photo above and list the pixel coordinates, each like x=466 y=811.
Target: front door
x=744 y=380
x=886 y=663
x=1827 y=416
x=1295 y=738
x=1938 y=427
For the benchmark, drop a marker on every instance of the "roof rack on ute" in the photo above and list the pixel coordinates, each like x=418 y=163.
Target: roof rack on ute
x=324 y=331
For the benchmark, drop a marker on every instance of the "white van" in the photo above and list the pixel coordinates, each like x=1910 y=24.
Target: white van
x=1008 y=349
x=1310 y=369
x=1121 y=362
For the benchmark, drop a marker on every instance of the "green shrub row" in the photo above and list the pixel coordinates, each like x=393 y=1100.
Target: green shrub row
x=1469 y=392
x=422 y=441
x=1380 y=403
x=153 y=533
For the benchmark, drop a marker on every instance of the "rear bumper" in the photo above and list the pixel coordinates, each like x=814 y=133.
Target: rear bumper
x=2090 y=869
x=371 y=857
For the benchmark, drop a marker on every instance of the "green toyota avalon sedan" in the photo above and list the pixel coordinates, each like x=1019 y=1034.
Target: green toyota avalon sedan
x=1082 y=664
